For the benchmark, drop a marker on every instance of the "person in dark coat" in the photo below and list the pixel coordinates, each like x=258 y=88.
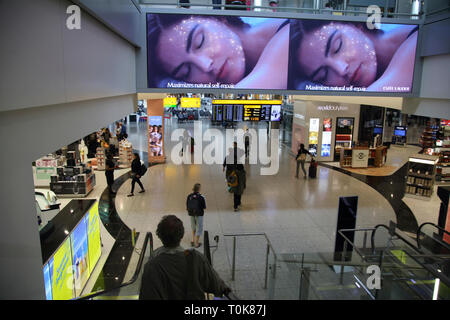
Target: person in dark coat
x=173 y=273
x=136 y=171
x=109 y=172
x=239 y=189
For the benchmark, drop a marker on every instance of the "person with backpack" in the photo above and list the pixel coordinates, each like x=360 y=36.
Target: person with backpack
x=237 y=183
x=196 y=205
x=173 y=273
x=136 y=173
x=301 y=159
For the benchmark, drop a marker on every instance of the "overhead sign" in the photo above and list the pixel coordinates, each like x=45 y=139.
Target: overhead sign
x=192 y=51
x=190 y=102
x=170 y=102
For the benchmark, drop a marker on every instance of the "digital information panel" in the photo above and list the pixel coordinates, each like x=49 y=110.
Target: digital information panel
x=252 y=112
x=291 y=54
x=246 y=110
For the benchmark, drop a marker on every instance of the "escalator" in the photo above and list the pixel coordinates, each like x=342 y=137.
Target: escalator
x=130 y=289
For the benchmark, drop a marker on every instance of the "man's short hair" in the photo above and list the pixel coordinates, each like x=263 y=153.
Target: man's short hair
x=170 y=230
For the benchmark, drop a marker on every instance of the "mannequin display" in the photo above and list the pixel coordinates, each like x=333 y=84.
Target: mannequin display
x=82 y=148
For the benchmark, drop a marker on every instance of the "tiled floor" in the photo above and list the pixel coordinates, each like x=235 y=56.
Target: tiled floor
x=297 y=215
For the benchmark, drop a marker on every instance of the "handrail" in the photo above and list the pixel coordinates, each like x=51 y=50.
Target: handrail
x=372 y=238
x=252 y=7
x=269 y=247
x=351 y=242
x=436 y=226
x=148 y=239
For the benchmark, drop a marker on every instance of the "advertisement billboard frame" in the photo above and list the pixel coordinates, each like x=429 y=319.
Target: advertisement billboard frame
x=142 y=58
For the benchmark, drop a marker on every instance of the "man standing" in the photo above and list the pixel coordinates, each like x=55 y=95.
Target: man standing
x=173 y=273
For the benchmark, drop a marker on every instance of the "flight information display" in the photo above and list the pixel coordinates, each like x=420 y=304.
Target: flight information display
x=239 y=112
x=229 y=112
x=252 y=112
x=265 y=113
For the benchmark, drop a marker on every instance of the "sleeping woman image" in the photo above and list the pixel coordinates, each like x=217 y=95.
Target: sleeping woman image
x=333 y=53
x=196 y=49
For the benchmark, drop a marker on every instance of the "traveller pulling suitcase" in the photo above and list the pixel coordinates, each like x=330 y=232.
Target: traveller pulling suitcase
x=312 y=169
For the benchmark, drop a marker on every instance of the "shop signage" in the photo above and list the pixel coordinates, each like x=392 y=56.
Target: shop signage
x=360 y=158
x=332 y=108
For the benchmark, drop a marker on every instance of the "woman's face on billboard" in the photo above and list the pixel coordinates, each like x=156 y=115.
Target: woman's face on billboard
x=337 y=55
x=202 y=50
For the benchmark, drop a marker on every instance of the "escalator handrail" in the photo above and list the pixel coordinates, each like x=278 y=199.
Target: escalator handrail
x=436 y=226
x=372 y=238
x=206 y=247
x=148 y=239
x=435 y=273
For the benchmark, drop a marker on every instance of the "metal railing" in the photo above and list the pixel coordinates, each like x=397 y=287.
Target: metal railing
x=441 y=231
x=306 y=9
x=147 y=241
x=415 y=256
x=269 y=248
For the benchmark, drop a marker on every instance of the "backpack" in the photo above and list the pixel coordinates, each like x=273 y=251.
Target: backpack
x=143 y=169
x=193 y=204
x=232 y=180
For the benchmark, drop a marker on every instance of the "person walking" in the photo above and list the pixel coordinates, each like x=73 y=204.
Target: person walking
x=109 y=172
x=238 y=190
x=301 y=159
x=195 y=206
x=173 y=273
x=136 y=172
x=247 y=142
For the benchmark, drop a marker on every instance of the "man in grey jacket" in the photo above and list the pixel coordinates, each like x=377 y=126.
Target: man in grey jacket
x=173 y=273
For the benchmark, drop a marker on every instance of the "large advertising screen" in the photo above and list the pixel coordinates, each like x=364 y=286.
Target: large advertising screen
x=80 y=259
x=94 y=241
x=62 y=277
x=210 y=51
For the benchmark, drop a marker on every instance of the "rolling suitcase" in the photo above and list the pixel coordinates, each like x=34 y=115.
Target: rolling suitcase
x=312 y=172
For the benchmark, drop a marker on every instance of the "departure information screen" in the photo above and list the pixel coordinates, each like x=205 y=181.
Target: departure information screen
x=252 y=113
x=246 y=110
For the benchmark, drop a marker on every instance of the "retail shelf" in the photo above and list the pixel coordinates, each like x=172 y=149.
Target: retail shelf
x=426 y=176
x=419 y=185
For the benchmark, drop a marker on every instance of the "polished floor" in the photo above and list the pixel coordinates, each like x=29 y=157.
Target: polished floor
x=297 y=215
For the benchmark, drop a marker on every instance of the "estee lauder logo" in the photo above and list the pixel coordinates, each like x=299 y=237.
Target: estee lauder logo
x=332 y=108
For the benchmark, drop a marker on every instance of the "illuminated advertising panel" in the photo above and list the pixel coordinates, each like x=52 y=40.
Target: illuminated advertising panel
x=80 y=259
x=190 y=102
x=219 y=52
x=326 y=137
x=94 y=241
x=313 y=139
x=62 y=277
x=170 y=102
x=48 y=270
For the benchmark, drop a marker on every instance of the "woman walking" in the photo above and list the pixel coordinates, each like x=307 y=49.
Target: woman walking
x=136 y=171
x=301 y=159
